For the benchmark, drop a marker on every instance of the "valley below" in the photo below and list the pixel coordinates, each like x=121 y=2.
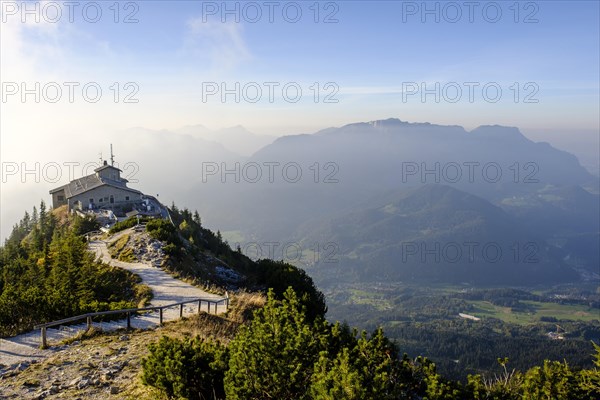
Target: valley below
x=526 y=325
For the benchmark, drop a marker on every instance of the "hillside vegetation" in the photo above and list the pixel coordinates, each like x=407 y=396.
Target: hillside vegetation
x=198 y=254
x=434 y=234
x=46 y=273
x=282 y=354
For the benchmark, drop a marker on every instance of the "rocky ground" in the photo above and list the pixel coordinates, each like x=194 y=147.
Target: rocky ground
x=105 y=366
x=142 y=248
x=147 y=249
x=166 y=289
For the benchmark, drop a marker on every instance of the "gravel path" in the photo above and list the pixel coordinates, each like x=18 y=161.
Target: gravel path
x=166 y=289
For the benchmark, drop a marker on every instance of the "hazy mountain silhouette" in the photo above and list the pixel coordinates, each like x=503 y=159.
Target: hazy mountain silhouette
x=434 y=233
x=360 y=160
x=348 y=171
x=236 y=139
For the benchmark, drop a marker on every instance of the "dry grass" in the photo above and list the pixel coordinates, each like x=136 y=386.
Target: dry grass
x=61 y=214
x=219 y=327
x=242 y=305
x=143 y=293
x=89 y=333
x=118 y=244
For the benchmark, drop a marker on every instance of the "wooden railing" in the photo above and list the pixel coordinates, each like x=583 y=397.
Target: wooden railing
x=128 y=312
x=89 y=234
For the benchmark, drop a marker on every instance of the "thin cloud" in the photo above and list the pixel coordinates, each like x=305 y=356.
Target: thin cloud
x=222 y=45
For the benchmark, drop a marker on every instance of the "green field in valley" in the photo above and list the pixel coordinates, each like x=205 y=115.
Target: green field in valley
x=484 y=309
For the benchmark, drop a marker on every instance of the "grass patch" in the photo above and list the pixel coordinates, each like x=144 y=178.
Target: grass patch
x=119 y=250
x=143 y=293
x=564 y=312
x=115 y=248
x=93 y=331
x=243 y=304
x=127 y=255
x=373 y=299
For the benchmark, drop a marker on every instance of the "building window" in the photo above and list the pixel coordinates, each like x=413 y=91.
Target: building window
x=126 y=198
x=100 y=200
x=61 y=198
x=92 y=201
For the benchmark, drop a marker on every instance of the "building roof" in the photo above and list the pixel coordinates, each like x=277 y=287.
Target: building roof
x=106 y=166
x=87 y=183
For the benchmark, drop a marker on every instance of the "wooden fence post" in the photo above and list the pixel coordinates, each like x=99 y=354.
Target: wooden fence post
x=199 y=306
x=128 y=321
x=44 y=344
x=160 y=316
x=180 y=310
x=89 y=322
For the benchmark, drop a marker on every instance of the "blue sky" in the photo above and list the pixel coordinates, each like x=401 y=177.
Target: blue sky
x=369 y=54
x=369 y=45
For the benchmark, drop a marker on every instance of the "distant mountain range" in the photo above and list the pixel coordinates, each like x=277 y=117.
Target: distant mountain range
x=236 y=139
x=490 y=184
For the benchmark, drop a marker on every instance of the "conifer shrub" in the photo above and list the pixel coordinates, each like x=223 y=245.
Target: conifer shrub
x=190 y=369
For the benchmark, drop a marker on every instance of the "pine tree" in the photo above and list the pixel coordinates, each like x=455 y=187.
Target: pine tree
x=589 y=379
x=274 y=356
x=338 y=379
x=197 y=218
x=554 y=380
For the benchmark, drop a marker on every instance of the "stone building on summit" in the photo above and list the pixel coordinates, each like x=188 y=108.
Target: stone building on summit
x=104 y=187
x=106 y=196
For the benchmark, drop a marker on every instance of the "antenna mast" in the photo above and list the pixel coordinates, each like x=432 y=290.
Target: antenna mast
x=112 y=157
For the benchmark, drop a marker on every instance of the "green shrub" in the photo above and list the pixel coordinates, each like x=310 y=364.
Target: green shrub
x=122 y=225
x=273 y=358
x=170 y=249
x=282 y=355
x=554 y=380
x=163 y=230
x=86 y=224
x=190 y=369
x=278 y=275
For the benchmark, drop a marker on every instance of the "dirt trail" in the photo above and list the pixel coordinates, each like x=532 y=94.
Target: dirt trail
x=166 y=289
